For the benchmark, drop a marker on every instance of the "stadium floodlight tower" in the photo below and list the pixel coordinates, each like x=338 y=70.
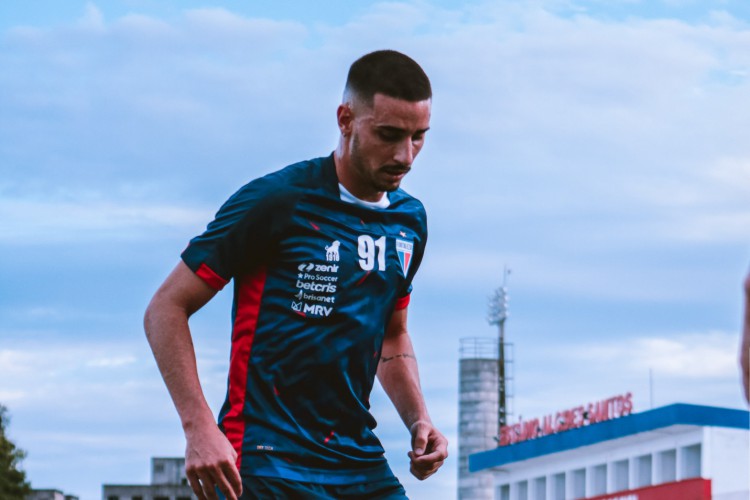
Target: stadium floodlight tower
x=498 y=314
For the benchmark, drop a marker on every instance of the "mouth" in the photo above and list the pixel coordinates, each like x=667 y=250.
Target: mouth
x=396 y=171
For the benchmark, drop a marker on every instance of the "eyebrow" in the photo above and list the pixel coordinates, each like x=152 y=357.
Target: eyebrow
x=391 y=128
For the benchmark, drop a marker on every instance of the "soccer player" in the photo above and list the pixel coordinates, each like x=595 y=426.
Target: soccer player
x=322 y=255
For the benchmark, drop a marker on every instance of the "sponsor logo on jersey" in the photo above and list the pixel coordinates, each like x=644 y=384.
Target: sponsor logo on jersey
x=332 y=251
x=405 y=250
x=317 y=310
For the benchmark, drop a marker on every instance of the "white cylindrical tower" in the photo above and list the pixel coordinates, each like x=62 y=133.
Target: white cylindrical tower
x=477 y=413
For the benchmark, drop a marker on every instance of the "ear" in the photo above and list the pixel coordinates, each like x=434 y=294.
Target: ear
x=345 y=118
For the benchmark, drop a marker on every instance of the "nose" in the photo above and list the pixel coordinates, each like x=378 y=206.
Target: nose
x=405 y=152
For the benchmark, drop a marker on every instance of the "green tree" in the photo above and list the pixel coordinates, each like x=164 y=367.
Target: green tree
x=13 y=484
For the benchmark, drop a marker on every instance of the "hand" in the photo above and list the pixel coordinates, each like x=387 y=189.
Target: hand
x=210 y=463
x=429 y=449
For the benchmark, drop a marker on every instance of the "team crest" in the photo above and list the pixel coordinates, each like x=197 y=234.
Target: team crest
x=405 y=250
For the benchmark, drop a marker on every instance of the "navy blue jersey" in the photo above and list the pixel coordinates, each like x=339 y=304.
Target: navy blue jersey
x=316 y=280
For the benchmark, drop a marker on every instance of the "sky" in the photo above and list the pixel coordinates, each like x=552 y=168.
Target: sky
x=598 y=149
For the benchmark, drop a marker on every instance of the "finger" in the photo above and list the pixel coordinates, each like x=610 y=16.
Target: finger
x=222 y=483
x=433 y=456
x=195 y=485
x=233 y=476
x=425 y=466
x=419 y=439
x=420 y=474
x=208 y=485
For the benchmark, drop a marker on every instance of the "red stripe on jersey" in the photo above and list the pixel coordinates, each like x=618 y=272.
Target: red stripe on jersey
x=363 y=278
x=402 y=302
x=211 y=278
x=249 y=296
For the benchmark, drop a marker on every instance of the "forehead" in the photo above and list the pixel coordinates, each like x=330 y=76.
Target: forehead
x=392 y=112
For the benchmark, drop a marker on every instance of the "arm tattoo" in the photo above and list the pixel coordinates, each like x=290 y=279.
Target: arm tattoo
x=403 y=355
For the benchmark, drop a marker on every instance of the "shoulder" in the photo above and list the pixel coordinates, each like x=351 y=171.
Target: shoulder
x=403 y=202
x=280 y=188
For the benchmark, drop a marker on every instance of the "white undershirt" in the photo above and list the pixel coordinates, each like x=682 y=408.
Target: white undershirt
x=348 y=197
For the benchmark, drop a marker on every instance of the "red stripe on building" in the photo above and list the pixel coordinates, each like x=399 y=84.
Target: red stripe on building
x=688 y=489
x=402 y=302
x=211 y=278
x=249 y=296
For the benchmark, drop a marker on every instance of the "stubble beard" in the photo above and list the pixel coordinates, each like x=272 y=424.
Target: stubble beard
x=369 y=177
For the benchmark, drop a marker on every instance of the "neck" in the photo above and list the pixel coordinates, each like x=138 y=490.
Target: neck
x=346 y=176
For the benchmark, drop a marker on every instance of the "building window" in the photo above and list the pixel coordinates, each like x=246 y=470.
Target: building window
x=643 y=471
x=540 y=489
x=161 y=498
x=183 y=498
x=522 y=490
x=558 y=486
x=113 y=497
x=159 y=468
x=598 y=480
x=621 y=476
x=579 y=483
x=504 y=492
x=691 y=461
x=137 y=498
x=667 y=467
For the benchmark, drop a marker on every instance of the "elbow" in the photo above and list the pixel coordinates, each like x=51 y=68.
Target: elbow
x=151 y=316
x=148 y=320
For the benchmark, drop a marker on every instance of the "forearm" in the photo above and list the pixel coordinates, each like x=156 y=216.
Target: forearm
x=399 y=375
x=169 y=336
x=168 y=333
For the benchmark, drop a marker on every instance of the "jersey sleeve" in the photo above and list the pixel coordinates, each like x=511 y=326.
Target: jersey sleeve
x=402 y=298
x=242 y=236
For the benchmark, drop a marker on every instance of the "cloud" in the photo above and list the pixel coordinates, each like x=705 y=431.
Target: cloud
x=31 y=221
x=601 y=154
x=697 y=368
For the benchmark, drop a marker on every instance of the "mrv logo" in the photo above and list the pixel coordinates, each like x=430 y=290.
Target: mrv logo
x=313 y=310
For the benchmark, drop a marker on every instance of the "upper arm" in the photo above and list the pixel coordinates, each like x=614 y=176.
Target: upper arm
x=397 y=324
x=183 y=290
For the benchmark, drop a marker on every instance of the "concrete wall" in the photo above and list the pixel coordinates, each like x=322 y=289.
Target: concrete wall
x=147 y=492
x=725 y=452
x=168 y=471
x=477 y=424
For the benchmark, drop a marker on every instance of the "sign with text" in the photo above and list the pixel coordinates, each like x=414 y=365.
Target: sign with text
x=573 y=418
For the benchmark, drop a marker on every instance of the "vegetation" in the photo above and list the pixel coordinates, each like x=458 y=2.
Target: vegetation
x=13 y=484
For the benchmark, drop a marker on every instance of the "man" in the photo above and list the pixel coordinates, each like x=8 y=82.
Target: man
x=745 y=343
x=322 y=254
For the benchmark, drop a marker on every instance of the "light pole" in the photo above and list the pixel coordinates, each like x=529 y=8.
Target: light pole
x=498 y=313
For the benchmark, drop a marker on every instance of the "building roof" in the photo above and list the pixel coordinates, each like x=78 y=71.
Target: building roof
x=636 y=423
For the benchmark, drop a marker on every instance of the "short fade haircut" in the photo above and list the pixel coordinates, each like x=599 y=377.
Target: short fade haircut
x=390 y=73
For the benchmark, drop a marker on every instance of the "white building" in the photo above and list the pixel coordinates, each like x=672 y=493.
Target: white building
x=49 y=494
x=676 y=452
x=168 y=482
